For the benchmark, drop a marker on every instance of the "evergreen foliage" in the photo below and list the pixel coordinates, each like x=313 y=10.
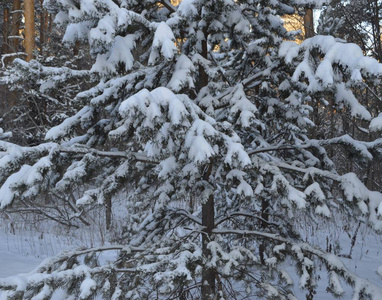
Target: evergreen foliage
x=357 y=21
x=201 y=118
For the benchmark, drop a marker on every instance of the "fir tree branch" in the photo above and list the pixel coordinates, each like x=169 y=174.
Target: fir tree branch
x=333 y=263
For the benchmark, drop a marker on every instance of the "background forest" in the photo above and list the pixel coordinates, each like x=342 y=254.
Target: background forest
x=192 y=149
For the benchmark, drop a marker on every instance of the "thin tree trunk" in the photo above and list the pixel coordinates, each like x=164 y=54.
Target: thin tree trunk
x=108 y=208
x=50 y=24
x=308 y=23
x=203 y=77
x=208 y=222
x=42 y=27
x=377 y=32
x=264 y=225
x=29 y=28
x=47 y=30
x=76 y=48
x=5 y=46
x=208 y=208
x=16 y=23
x=208 y=275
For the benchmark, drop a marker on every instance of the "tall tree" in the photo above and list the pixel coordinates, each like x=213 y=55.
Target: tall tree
x=200 y=120
x=6 y=20
x=16 y=24
x=308 y=23
x=29 y=16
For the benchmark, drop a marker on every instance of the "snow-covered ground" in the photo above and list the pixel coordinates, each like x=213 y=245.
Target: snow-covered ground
x=12 y=260
x=31 y=244
x=23 y=252
x=365 y=261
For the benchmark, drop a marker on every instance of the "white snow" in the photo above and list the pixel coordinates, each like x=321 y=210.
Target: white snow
x=120 y=52
x=187 y=8
x=346 y=96
x=181 y=78
x=376 y=123
x=67 y=126
x=12 y=261
x=348 y=56
x=4 y=135
x=163 y=43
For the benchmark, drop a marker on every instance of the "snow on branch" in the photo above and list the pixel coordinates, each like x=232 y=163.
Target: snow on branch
x=141 y=157
x=343 y=65
x=4 y=56
x=362 y=148
x=332 y=262
x=4 y=135
x=369 y=202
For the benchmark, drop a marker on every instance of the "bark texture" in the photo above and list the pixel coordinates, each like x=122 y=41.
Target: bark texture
x=29 y=28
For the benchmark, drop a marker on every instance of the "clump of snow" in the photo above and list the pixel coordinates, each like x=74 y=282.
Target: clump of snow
x=77 y=31
x=335 y=284
x=163 y=43
x=289 y=50
x=87 y=286
x=167 y=166
x=200 y=148
x=311 y=3
x=345 y=56
x=119 y=53
x=28 y=176
x=187 y=8
x=240 y=105
x=4 y=135
x=376 y=123
x=67 y=126
x=181 y=77
x=346 y=96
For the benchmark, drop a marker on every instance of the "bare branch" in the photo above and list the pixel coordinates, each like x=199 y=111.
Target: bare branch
x=168 y=5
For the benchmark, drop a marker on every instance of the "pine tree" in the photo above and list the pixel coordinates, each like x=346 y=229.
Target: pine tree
x=200 y=120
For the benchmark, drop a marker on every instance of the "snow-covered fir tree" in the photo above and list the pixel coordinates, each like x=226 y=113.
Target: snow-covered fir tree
x=200 y=120
x=41 y=92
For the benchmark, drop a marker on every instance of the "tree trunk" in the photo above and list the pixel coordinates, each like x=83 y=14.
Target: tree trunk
x=264 y=225
x=42 y=27
x=203 y=77
x=50 y=24
x=76 y=48
x=208 y=275
x=308 y=23
x=108 y=208
x=16 y=23
x=377 y=32
x=208 y=208
x=5 y=46
x=29 y=28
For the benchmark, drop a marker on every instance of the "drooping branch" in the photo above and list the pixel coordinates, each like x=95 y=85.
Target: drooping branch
x=332 y=262
x=186 y=214
x=66 y=255
x=311 y=170
x=363 y=147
